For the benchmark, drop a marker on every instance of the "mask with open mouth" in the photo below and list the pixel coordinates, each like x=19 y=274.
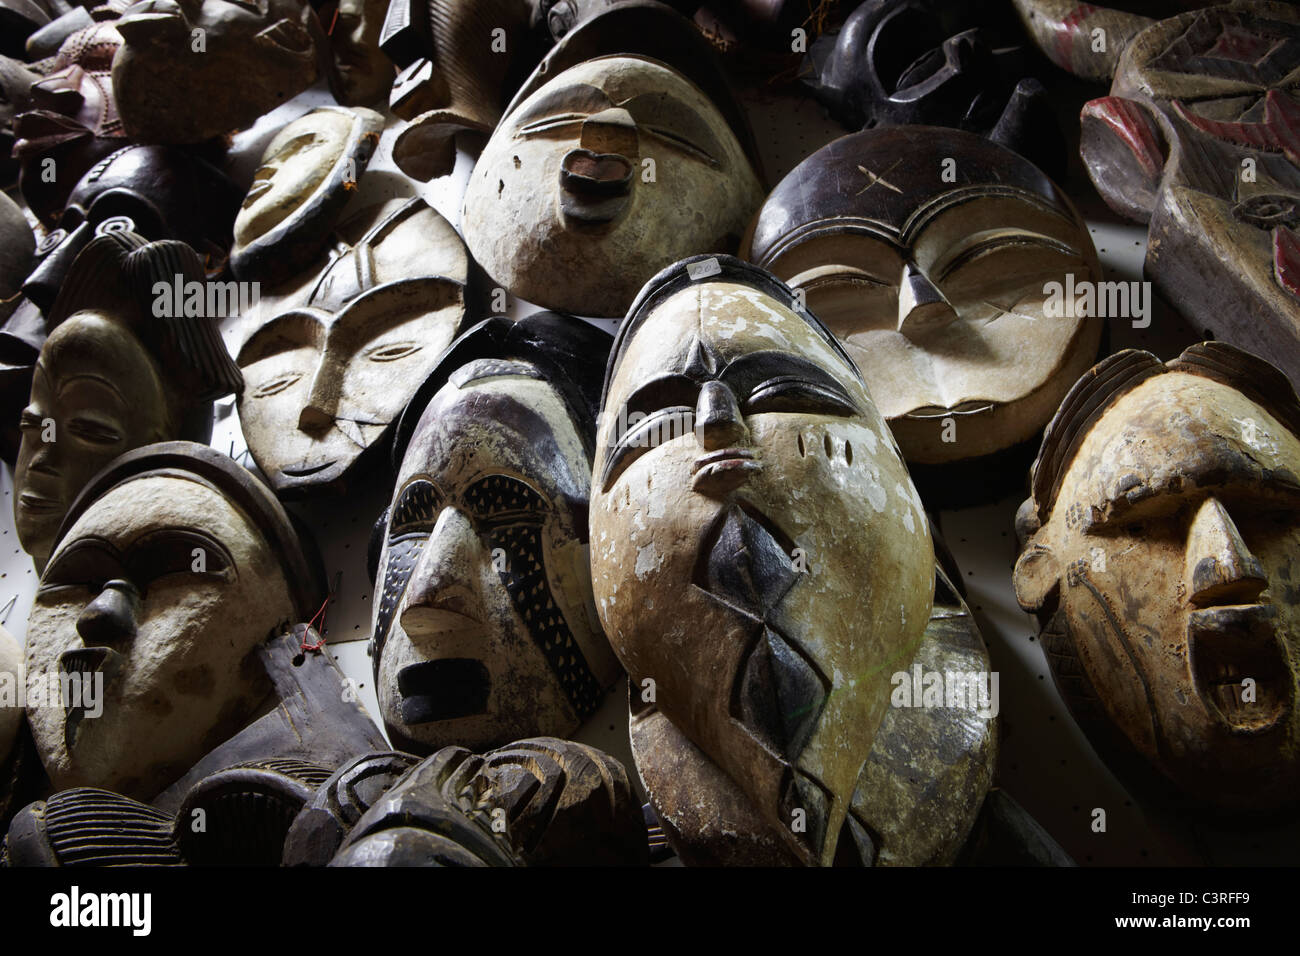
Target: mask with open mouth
x=189 y=70
x=577 y=199
x=172 y=567
x=327 y=379
x=1162 y=550
x=760 y=557
x=484 y=625
x=114 y=374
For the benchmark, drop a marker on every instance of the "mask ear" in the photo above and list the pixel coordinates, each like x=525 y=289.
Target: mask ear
x=1037 y=578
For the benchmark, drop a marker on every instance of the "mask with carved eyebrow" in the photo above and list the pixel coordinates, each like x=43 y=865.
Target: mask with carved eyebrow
x=1160 y=552
x=484 y=625
x=935 y=272
x=173 y=566
x=577 y=198
x=763 y=561
x=327 y=380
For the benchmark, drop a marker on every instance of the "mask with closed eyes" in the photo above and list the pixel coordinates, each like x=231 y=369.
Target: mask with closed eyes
x=1161 y=554
x=112 y=375
x=325 y=381
x=577 y=198
x=484 y=626
x=173 y=566
x=758 y=550
x=189 y=70
x=940 y=291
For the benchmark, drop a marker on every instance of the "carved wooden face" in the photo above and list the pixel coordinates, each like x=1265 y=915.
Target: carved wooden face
x=324 y=382
x=253 y=57
x=577 y=198
x=758 y=550
x=163 y=587
x=938 y=290
x=485 y=629
x=1174 y=543
x=96 y=392
x=366 y=74
x=298 y=165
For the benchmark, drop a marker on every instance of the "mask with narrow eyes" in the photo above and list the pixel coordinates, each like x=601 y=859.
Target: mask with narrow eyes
x=1161 y=558
x=940 y=291
x=112 y=375
x=1197 y=139
x=759 y=552
x=189 y=70
x=326 y=380
x=364 y=74
x=576 y=199
x=172 y=567
x=484 y=626
x=309 y=170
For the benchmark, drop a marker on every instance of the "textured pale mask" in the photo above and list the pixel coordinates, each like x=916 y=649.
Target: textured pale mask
x=758 y=550
x=1163 y=546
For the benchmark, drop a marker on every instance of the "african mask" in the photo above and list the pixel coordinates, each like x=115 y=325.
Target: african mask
x=189 y=70
x=578 y=197
x=758 y=550
x=1197 y=136
x=327 y=379
x=918 y=794
x=89 y=827
x=459 y=63
x=940 y=291
x=364 y=74
x=172 y=567
x=73 y=121
x=16 y=82
x=919 y=62
x=308 y=173
x=114 y=374
x=157 y=192
x=17 y=248
x=484 y=626
x=536 y=802
x=1161 y=554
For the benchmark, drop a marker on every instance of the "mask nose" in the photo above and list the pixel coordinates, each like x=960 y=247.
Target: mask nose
x=610 y=131
x=42 y=285
x=322 y=401
x=442 y=595
x=110 y=619
x=922 y=308
x=1220 y=568
x=718 y=423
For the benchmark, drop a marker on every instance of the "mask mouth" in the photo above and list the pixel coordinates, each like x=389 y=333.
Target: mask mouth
x=305 y=469
x=444 y=689
x=77 y=671
x=37 y=504
x=1229 y=645
x=595 y=187
x=724 y=470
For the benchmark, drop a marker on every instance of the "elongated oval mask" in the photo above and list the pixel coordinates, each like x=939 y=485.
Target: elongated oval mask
x=484 y=625
x=932 y=254
x=758 y=550
x=581 y=194
x=1161 y=554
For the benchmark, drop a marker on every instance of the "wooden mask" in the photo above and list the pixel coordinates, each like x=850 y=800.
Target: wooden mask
x=939 y=290
x=309 y=171
x=758 y=550
x=1198 y=137
x=577 y=199
x=484 y=623
x=173 y=566
x=113 y=375
x=189 y=70
x=536 y=802
x=1162 y=546
x=364 y=74
x=327 y=379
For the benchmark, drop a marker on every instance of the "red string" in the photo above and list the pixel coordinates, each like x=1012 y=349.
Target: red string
x=319 y=645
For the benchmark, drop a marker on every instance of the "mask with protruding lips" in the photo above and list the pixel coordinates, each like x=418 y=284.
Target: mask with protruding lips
x=1163 y=546
x=758 y=550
